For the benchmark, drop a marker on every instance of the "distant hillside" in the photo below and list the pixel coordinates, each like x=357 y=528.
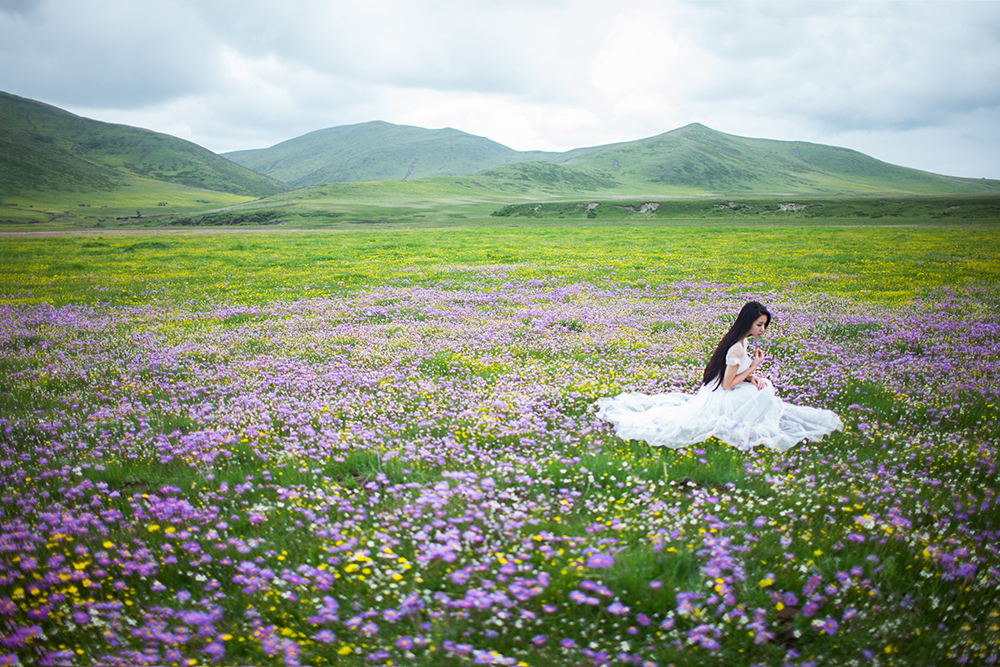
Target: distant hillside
x=698 y=157
x=691 y=159
x=44 y=149
x=380 y=151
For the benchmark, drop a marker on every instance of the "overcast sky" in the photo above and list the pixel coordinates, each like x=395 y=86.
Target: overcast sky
x=911 y=83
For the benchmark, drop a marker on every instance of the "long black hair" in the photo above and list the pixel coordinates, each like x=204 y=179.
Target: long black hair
x=741 y=327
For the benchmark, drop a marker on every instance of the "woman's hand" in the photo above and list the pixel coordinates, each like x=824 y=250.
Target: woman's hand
x=758 y=358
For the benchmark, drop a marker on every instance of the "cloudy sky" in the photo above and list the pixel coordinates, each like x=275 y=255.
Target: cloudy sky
x=912 y=83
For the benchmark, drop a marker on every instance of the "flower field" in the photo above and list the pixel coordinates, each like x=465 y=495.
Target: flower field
x=215 y=452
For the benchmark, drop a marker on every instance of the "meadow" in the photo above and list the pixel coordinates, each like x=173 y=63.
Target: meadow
x=380 y=448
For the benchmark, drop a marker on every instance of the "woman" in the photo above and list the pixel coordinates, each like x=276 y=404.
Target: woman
x=733 y=404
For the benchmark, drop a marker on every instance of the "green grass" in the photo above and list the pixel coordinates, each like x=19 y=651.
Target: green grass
x=886 y=262
x=439 y=204
x=100 y=209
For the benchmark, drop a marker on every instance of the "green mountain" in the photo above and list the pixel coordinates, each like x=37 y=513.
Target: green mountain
x=380 y=151
x=46 y=150
x=690 y=160
x=699 y=158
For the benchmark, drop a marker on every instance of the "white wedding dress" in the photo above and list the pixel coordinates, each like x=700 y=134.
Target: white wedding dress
x=743 y=417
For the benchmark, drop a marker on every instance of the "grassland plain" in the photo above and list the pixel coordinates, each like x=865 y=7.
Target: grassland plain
x=138 y=203
x=333 y=448
x=494 y=202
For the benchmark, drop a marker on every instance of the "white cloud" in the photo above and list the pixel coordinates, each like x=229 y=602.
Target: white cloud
x=515 y=123
x=909 y=79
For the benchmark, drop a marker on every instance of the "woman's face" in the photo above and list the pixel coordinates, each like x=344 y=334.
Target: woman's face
x=759 y=326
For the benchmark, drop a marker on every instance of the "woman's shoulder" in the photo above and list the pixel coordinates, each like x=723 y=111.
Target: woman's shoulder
x=739 y=347
x=735 y=353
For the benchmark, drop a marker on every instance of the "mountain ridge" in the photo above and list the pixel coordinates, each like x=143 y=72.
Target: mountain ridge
x=55 y=158
x=693 y=157
x=378 y=150
x=696 y=156
x=46 y=149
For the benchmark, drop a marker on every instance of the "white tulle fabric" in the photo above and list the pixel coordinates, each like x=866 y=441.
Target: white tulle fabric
x=743 y=417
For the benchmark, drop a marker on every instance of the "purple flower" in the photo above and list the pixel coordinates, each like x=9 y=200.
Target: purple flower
x=828 y=626
x=215 y=649
x=617 y=608
x=599 y=560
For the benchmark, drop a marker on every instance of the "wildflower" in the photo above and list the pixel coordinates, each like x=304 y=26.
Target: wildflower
x=600 y=560
x=617 y=608
x=826 y=626
x=215 y=650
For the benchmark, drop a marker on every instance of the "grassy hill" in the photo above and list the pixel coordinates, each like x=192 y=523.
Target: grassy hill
x=691 y=159
x=75 y=173
x=699 y=158
x=47 y=151
x=378 y=151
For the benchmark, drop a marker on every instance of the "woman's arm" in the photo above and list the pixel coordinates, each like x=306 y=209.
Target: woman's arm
x=731 y=378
